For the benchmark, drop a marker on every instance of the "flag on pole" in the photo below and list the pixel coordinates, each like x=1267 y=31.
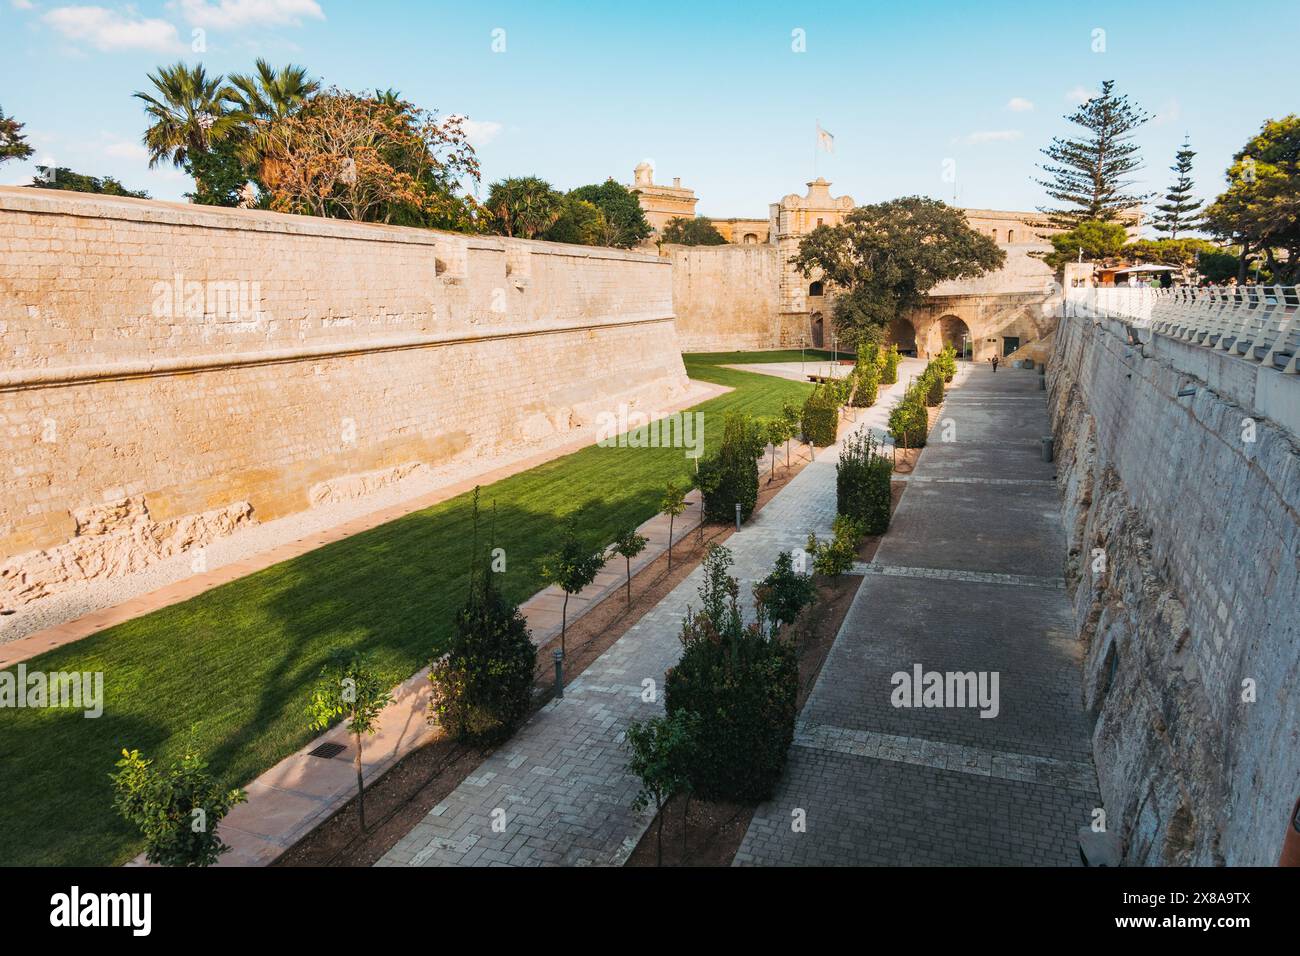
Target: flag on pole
x=825 y=140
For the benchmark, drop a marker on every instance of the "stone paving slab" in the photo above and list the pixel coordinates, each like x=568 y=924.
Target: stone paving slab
x=966 y=580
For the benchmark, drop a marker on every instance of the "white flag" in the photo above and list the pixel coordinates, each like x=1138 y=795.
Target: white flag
x=825 y=140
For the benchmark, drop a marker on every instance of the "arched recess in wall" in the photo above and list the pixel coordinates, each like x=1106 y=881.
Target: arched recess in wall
x=816 y=288
x=751 y=239
x=817 y=328
x=956 y=332
x=903 y=334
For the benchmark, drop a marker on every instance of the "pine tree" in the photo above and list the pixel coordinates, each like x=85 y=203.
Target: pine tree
x=1089 y=175
x=1179 y=213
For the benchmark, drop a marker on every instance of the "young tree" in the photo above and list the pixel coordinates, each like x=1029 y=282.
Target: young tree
x=523 y=207
x=793 y=416
x=571 y=568
x=482 y=685
x=1260 y=209
x=13 y=142
x=660 y=750
x=698 y=231
x=1179 y=212
x=628 y=545
x=672 y=504
x=1089 y=175
x=65 y=178
x=351 y=688
x=783 y=593
x=178 y=812
x=776 y=431
x=625 y=222
x=885 y=257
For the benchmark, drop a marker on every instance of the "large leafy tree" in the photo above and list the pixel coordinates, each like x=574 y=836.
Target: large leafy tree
x=261 y=98
x=13 y=144
x=1260 y=209
x=698 y=231
x=523 y=207
x=883 y=258
x=625 y=223
x=580 y=222
x=1180 y=212
x=1089 y=174
x=65 y=178
x=370 y=159
x=1091 y=241
x=187 y=116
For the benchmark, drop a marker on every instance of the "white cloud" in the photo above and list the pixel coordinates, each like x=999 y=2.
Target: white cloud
x=21 y=4
x=989 y=136
x=1171 y=112
x=1018 y=104
x=481 y=132
x=233 y=14
x=124 y=149
x=109 y=30
x=1080 y=94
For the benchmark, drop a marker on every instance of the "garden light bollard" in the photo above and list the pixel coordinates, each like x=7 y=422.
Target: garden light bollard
x=737 y=515
x=559 y=672
x=1048 y=447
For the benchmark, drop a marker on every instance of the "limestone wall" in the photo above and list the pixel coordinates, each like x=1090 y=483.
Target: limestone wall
x=170 y=371
x=726 y=297
x=1184 y=567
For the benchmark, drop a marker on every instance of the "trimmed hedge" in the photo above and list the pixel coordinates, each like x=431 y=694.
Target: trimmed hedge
x=730 y=475
x=947 y=362
x=862 y=479
x=821 y=415
x=743 y=684
x=909 y=422
x=889 y=366
x=867 y=379
x=931 y=382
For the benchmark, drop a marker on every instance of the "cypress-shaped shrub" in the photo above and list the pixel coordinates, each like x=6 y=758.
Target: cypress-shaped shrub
x=730 y=475
x=889 y=370
x=742 y=683
x=867 y=382
x=908 y=421
x=932 y=385
x=948 y=362
x=862 y=482
x=821 y=415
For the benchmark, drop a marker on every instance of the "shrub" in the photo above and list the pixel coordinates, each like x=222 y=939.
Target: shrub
x=836 y=556
x=889 y=370
x=483 y=683
x=867 y=376
x=862 y=479
x=730 y=475
x=821 y=415
x=931 y=382
x=178 y=811
x=783 y=594
x=743 y=685
x=908 y=421
x=661 y=752
x=948 y=362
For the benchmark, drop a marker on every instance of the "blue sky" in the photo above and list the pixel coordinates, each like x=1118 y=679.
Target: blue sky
x=711 y=92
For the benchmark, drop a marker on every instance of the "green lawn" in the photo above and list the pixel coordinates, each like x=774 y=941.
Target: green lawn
x=234 y=664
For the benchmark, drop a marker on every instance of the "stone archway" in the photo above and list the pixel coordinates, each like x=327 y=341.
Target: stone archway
x=817 y=327
x=955 y=332
x=902 y=333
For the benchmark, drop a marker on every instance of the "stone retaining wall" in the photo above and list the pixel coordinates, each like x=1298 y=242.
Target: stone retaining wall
x=170 y=371
x=1184 y=567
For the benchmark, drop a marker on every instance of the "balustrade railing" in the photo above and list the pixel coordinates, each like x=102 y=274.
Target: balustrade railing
x=1260 y=323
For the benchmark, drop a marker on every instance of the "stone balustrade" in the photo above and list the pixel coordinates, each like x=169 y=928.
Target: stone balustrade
x=1257 y=323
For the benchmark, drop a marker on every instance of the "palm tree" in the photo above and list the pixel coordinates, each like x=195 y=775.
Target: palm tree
x=187 y=113
x=261 y=99
x=523 y=207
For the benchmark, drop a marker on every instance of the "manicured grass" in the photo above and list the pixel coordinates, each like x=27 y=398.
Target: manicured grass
x=235 y=664
x=777 y=355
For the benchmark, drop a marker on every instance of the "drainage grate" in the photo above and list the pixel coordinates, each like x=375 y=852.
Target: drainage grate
x=327 y=751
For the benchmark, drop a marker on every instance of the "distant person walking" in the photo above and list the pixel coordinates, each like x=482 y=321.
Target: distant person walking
x=994 y=360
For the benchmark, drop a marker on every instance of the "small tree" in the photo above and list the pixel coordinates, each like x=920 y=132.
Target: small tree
x=793 y=416
x=571 y=568
x=661 y=755
x=775 y=431
x=783 y=593
x=836 y=556
x=351 y=688
x=889 y=365
x=730 y=476
x=178 y=812
x=698 y=231
x=629 y=544
x=672 y=504
x=1181 y=211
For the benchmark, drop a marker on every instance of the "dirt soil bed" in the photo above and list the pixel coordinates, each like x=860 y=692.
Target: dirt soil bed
x=402 y=797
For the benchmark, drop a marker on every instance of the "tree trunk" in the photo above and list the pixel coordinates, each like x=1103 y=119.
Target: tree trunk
x=361 y=787
x=670 y=540
x=659 y=834
x=564 y=617
x=629 y=580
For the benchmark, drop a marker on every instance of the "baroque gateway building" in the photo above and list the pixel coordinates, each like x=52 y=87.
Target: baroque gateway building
x=747 y=295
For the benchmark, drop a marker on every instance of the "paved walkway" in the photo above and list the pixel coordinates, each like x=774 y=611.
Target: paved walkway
x=559 y=791
x=967 y=579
